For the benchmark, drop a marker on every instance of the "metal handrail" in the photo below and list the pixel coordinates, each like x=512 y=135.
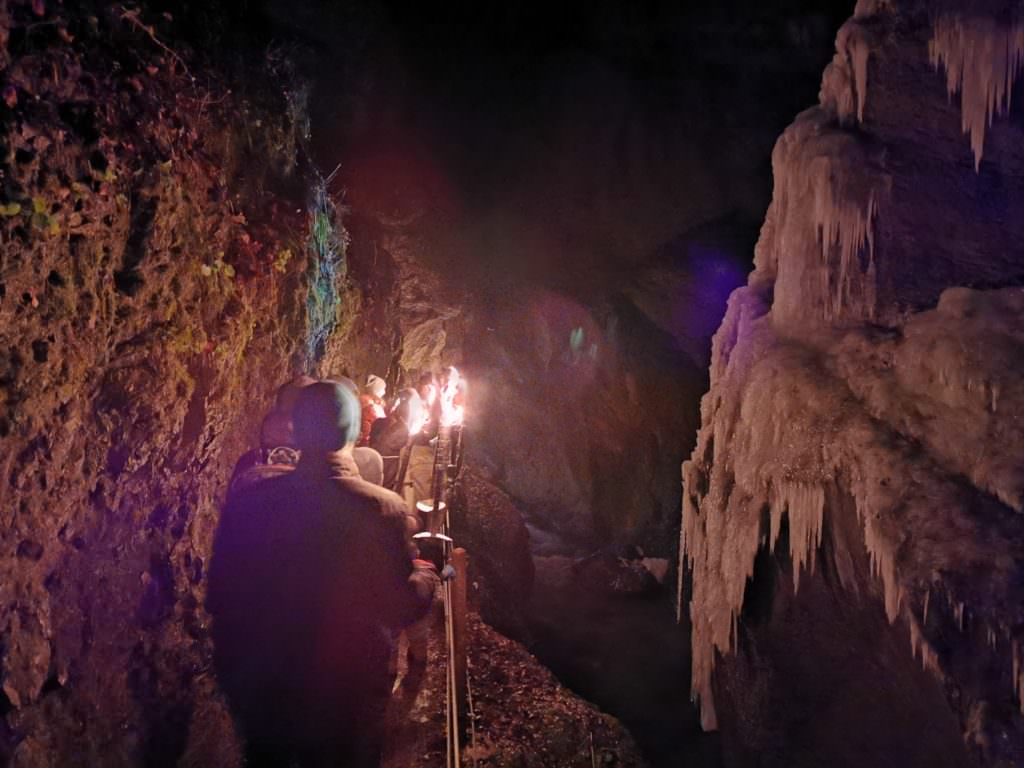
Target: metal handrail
x=439 y=527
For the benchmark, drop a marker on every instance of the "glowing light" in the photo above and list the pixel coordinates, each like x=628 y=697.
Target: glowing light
x=453 y=409
x=429 y=395
x=419 y=414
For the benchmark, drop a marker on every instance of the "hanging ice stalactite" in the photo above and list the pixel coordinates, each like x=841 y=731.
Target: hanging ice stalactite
x=920 y=647
x=982 y=59
x=853 y=48
x=805 y=508
x=845 y=206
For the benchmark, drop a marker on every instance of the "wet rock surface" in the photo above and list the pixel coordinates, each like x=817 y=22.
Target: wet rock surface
x=490 y=528
x=143 y=324
x=624 y=652
x=582 y=412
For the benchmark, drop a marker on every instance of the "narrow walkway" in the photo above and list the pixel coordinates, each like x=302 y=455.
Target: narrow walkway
x=522 y=714
x=416 y=716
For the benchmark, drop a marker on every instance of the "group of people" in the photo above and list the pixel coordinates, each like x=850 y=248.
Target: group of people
x=314 y=571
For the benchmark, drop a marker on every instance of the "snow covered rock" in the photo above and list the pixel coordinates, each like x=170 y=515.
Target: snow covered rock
x=868 y=377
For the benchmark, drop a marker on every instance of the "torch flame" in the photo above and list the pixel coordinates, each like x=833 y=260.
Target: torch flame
x=431 y=396
x=452 y=408
x=419 y=415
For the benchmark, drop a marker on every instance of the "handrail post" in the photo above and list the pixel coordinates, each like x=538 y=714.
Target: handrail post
x=460 y=562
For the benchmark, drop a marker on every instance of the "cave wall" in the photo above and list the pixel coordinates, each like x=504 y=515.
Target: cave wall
x=152 y=296
x=583 y=411
x=407 y=318
x=867 y=379
x=580 y=406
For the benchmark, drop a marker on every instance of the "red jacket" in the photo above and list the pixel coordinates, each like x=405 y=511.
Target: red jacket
x=372 y=409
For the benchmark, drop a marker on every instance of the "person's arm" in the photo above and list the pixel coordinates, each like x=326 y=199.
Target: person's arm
x=412 y=582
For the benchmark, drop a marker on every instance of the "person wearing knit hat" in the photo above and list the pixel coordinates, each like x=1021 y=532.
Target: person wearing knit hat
x=277 y=451
x=372 y=402
x=312 y=576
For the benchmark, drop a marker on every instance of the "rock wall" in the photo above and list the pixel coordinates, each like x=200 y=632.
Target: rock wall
x=862 y=427
x=579 y=407
x=581 y=413
x=409 y=319
x=152 y=296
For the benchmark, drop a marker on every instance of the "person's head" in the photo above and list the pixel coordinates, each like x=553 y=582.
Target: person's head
x=289 y=391
x=376 y=386
x=425 y=388
x=326 y=418
x=276 y=430
x=409 y=407
x=346 y=382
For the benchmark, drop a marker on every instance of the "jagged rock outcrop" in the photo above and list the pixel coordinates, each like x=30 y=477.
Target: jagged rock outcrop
x=579 y=409
x=409 y=319
x=152 y=295
x=863 y=423
x=580 y=414
x=487 y=524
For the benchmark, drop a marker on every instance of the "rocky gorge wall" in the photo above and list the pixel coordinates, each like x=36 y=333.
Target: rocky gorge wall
x=153 y=294
x=582 y=413
x=578 y=407
x=858 y=468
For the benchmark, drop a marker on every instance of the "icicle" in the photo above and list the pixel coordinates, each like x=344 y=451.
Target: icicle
x=883 y=565
x=848 y=224
x=854 y=49
x=927 y=599
x=1018 y=675
x=688 y=510
x=805 y=505
x=860 y=72
x=921 y=647
x=982 y=60
x=775 y=516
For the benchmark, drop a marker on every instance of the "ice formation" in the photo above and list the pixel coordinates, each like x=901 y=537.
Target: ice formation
x=847 y=225
x=796 y=427
x=922 y=649
x=853 y=45
x=906 y=436
x=982 y=59
x=805 y=505
x=1018 y=675
x=829 y=185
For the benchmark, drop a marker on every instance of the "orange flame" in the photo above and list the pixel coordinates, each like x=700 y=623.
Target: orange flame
x=452 y=408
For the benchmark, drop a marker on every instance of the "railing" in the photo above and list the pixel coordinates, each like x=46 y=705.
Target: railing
x=446 y=466
x=455 y=636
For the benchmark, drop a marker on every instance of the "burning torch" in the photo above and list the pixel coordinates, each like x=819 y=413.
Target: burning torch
x=448 y=445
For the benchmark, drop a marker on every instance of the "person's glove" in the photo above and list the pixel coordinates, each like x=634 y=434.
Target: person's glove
x=447 y=573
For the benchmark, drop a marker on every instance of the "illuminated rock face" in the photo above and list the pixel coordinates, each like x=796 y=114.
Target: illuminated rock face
x=863 y=423
x=144 y=324
x=579 y=412
x=580 y=409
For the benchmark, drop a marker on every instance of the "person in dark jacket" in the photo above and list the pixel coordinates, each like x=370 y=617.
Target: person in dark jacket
x=392 y=434
x=311 y=577
x=277 y=453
